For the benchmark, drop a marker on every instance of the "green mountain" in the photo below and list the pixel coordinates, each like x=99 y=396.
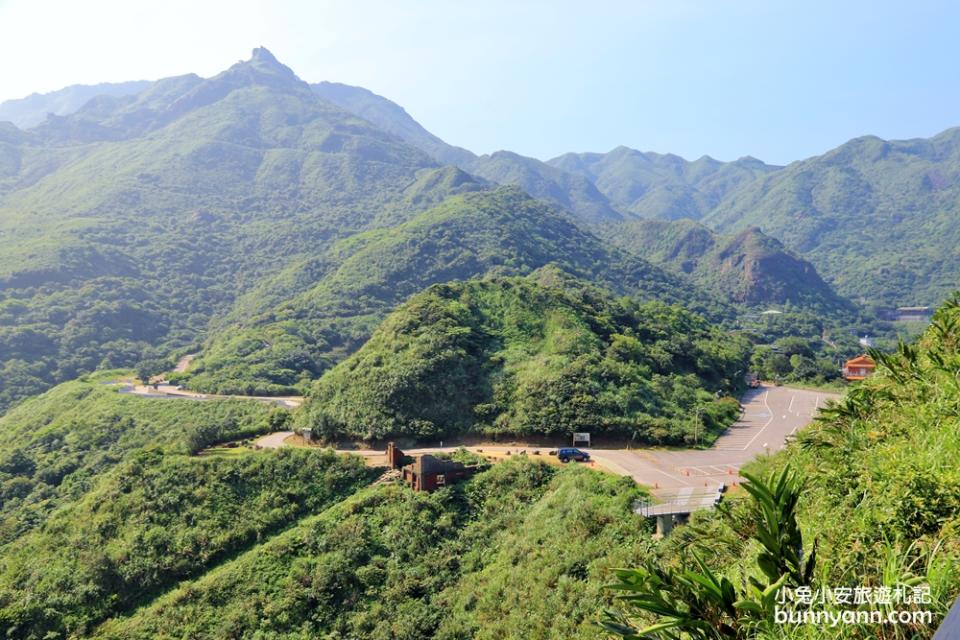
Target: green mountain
x=279 y=338
x=30 y=111
x=751 y=267
x=496 y=556
x=568 y=191
x=876 y=217
x=653 y=185
x=537 y=355
x=128 y=225
x=392 y=118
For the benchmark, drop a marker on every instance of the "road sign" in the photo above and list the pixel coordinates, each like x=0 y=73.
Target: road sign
x=581 y=438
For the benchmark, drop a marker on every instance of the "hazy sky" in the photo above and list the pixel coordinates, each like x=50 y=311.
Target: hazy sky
x=724 y=78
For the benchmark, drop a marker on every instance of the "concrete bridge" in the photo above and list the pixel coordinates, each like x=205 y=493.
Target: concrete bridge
x=675 y=507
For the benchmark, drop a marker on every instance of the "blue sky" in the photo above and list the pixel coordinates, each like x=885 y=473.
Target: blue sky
x=776 y=80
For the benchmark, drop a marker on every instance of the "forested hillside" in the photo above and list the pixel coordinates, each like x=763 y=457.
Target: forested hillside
x=128 y=225
x=330 y=305
x=876 y=217
x=54 y=446
x=654 y=185
x=751 y=267
x=105 y=506
x=566 y=190
x=497 y=556
x=540 y=355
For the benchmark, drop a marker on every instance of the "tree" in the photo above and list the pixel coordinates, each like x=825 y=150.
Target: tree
x=150 y=367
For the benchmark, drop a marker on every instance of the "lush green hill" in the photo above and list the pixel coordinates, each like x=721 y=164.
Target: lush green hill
x=751 y=267
x=126 y=226
x=503 y=555
x=878 y=218
x=155 y=520
x=538 y=355
x=276 y=346
x=653 y=185
x=54 y=446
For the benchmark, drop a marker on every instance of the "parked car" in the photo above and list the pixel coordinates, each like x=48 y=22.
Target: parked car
x=566 y=455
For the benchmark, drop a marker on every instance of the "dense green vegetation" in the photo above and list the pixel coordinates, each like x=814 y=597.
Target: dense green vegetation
x=876 y=217
x=154 y=520
x=304 y=238
x=507 y=554
x=654 y=185
x=53 y=447
x=569 y=191
x=279 y=340
x=750 y=267
x=540 y=355
x=882 y=488
x=127 y=226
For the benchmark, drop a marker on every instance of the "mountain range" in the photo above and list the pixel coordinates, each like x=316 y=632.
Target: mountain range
x=258 y=217
x=314 y=238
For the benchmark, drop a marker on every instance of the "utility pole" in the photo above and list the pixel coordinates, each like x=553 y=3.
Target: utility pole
x=696 y=425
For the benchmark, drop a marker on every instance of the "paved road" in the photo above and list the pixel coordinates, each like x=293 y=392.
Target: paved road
x=770 y=415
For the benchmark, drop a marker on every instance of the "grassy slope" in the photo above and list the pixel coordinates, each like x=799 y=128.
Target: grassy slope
x=493 y=557
x=154 y=520
x=53 y=447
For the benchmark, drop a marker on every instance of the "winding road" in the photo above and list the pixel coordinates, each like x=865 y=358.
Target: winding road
x=172 y=391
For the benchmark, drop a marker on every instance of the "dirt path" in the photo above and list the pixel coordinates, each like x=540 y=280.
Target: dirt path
x=184 y=363
x=272 y=440
x=171 y=391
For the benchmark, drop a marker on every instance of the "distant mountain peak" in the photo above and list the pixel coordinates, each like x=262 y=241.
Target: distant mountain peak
x=263 y=54
x=265 y=62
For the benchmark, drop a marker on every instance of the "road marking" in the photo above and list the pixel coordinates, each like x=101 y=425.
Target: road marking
x=671 y=476
x=766 y=393
x=790 y=408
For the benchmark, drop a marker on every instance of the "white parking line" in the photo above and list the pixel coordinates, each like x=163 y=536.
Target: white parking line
x=765 y=394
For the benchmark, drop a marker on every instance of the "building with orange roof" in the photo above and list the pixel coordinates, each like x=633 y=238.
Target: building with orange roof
x=858 y=368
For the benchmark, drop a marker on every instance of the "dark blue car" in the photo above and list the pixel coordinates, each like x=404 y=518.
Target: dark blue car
x=566 y=455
